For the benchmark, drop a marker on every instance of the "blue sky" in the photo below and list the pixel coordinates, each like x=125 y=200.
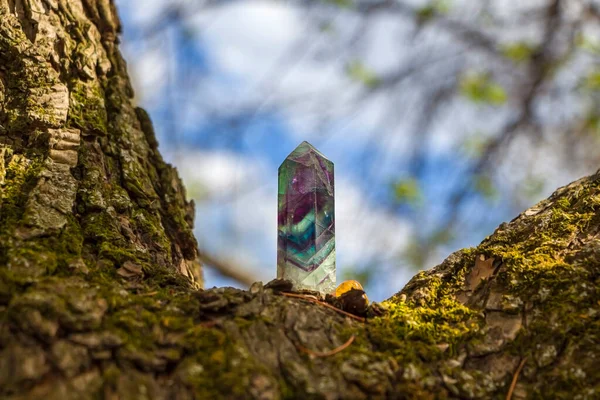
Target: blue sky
x=252 y=59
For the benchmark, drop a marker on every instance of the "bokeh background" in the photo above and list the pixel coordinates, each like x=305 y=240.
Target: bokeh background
x=443 y=118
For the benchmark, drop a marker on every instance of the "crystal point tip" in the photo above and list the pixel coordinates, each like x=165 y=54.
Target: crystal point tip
x=304 y=148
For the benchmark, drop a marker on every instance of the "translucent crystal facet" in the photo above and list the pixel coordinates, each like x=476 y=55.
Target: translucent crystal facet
x=306 y=223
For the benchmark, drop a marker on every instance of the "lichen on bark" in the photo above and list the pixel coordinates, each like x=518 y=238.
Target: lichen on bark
x=99 y=289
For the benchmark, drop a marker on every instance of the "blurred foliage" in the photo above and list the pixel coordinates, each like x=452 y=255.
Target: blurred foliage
x=429 y=11
x=592 y=80
x=531 y=187
x=358 y=72
x=417 y=253
x=364 y=275
x=589 y=44
x=327 y=27
x=407 y=191
x=484 y=185
x=518 y=52
x=474 y=145
x=197 y=191
x=592 y=123
x=341 y=3
x=479 y=88
x=442 y=236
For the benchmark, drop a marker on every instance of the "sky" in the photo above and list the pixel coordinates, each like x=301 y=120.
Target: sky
x=263 y=60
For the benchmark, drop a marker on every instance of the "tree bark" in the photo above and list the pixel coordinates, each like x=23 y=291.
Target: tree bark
x=99 y=288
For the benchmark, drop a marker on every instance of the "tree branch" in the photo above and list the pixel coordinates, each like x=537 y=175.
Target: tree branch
x=227 y=268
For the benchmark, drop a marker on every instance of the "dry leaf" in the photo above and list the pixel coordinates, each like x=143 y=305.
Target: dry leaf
x=483 y=269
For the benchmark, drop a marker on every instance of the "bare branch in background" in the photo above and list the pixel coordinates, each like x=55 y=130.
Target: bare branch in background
x=239 y=273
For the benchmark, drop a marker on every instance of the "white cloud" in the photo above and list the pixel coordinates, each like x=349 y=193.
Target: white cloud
x=223 y=173
x=273 y=48
x=246 y=38
x=264 y=52
x=365 y=231
x=149 y=73
x=143 y=12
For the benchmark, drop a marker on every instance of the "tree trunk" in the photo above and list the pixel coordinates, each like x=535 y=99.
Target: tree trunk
x=99 y=287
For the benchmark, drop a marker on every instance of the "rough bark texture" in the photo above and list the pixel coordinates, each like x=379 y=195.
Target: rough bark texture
x=99 y=291
x=82 y=181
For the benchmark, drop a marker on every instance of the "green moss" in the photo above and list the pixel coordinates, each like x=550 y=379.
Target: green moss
x=21 y=175
x=214 y=366
x=87 y=110
x=218 y=367
x=137 y=182
x=150 y=227
x=135 y=323
x=161 y=277
x=447 y=321
x=119 y=198
x=413 y=333
x=100 y=226
x=536 y=250
x=71 y=238
x=11 y=283
x=118 y=253
x=176 y=323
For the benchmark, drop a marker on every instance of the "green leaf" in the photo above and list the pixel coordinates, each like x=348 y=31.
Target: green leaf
x=425 y=13
x=363 y=275
x=416 y=253
x=357 y=71
x=531 y=187
x=479 y=88
x=429 y=11
x=407 y=191
x=592 y=80
x=484 y=185
x=197 y=191
x=592 y=123
x=495 y=94
x=518 y=52
x=474 y=145
x=441 y=236
x=589 y=44
x=341 y=3
x=327 y=27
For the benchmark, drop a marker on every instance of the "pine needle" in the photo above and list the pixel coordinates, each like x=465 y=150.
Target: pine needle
x=515 y=378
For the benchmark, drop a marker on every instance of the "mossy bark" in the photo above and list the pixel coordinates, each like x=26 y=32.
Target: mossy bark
x=99 y=290
x=83 y=185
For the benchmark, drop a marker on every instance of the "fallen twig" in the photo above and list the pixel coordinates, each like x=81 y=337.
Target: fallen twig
x=327 y=353
x=515 y=378
x=314 y=300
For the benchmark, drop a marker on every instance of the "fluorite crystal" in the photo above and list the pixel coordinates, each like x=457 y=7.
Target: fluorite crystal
x=306 y=223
